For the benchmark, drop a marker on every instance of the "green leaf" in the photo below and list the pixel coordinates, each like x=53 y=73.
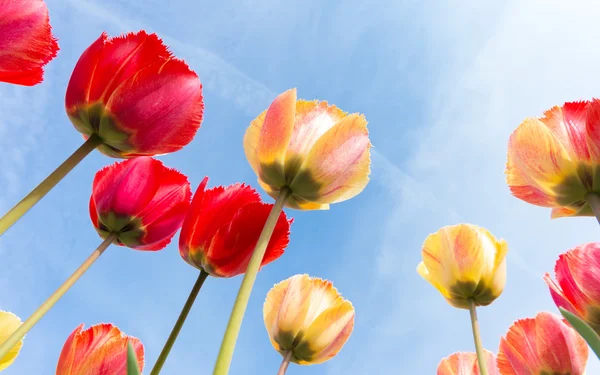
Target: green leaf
x=132 y=363
x=588 y=334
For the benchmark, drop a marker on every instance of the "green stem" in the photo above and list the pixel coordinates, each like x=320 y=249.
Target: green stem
x=593 y=200
x=477 y=338
x=47 y=305
x=45 y=186
x=241 y=302
x=179 y=323
x=285 y=363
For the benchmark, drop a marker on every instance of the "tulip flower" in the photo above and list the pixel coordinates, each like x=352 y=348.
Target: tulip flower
x=542 y=345
x=466 y=364
x=9 y=322
x=307 y=320
x=128 y=96
x=138 y=203
x=467 y=265
x=98 y=350
x=27 y=43
x=577 y=285
x=222 y=227
x=314 y=151
x=553 y=160
x=218 y=236
x=307 y=155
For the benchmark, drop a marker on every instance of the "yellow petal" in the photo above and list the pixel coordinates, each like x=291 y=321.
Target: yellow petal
x=326 y=335
x=537 y=163
x=9 y=323
x=271 y=310
x=251 y=142
x=338 y=165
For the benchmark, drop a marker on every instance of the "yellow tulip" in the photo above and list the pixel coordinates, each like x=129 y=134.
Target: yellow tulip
x=9 y=322
x=465 y=263
x=307 y=318
x=317 y=152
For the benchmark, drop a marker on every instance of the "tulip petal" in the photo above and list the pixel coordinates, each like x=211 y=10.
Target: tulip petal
x=544 y=344
x=98 y=350
x=313 y=119
x=568 y=125
x=293 y=201
x=537 y=163
x=338 y=165
x=466 y=364
x=327 y=334
x=233 y=244
x=169 y=93
x=79 y=87
x=9 y=323
x=271 y=307
x=274 y=137
x=593 y=129
x=27 y=43
x=126 y=188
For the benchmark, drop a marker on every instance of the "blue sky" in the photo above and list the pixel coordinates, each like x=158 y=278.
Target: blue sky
x=442 y=88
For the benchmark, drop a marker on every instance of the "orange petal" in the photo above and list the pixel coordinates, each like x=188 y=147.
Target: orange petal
x=274 y=138
x=466 y=364
x=568 y=125
x=9 y=323
x=537 y=163
x=337 y=167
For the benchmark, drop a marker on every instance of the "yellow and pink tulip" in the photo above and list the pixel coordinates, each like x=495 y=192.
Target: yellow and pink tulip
x=316 y=151
x=465 y=263
x=307 y=319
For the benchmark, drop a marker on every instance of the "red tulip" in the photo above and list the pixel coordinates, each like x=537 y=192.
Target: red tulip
x=140 y=201
x=542 y=345
x=222 y=227
x=99 y=350
x=577 y=286
x=26 y=42
x=133 y=94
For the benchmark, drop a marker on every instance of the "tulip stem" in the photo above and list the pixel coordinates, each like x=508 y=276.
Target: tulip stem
x=477 y=338
x=179 y=323
x=241 y=302
x=51 y=301
x=593 y=200
x=45 y=186
x=285 y=363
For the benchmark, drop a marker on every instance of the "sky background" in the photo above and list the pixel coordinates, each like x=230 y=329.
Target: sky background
x=443 y=84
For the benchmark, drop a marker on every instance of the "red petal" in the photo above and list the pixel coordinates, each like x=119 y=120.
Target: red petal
x=161 y=106
x=127 y=188
x=210 y=210
x=593 y=128
x=160 y=232
x=578 y=274
x=79 y=86
x=27 y=43
x=232 y=246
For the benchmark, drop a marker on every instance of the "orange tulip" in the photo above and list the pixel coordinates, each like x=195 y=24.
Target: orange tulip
x=465 y=263
x=542 y=345
x=554 y=161
x=316 y=151
x=99 y=350
x=466 y=364
x=9 y=322
x=308 y=318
